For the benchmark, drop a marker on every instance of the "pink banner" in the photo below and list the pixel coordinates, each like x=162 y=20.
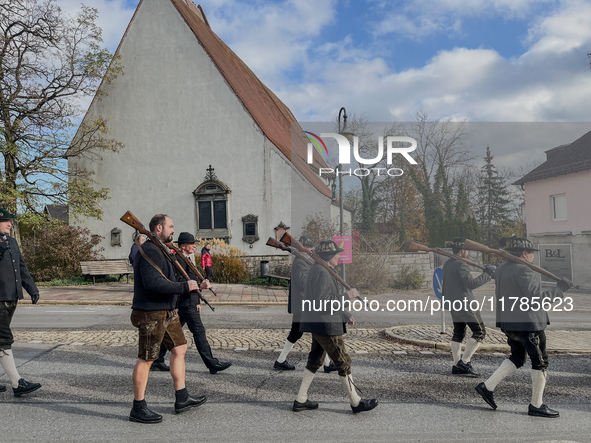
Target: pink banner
x=344 y=242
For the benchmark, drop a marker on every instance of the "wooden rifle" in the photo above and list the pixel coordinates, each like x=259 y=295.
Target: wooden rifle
x=474 y=246
x=291 y=241
x=412 y=246
x=189 y=263
x=134 y=222
x=277 y=244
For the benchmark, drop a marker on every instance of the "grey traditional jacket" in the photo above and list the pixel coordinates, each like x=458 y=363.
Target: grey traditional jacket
x=14 y=274
x=321 y=286
x=297 y=286
x=458 y=284
x=517 y=280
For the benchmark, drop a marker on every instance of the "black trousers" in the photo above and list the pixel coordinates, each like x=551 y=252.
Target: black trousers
x=192 y=318
x=472 y=320
x=294 y=334
x=208 y=273
x=7 y=309
x=524 y=343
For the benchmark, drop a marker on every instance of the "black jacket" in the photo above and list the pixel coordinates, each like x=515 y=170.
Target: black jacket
x=458 y=284
x=151 y=291
x=321 y=286
x=190 y=299
x=14 y=274
x=297 y=287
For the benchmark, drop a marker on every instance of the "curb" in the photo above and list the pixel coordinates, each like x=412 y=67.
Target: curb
x=128 y=303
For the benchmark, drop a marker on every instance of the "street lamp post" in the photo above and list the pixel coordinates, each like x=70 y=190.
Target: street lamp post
x=348 y=135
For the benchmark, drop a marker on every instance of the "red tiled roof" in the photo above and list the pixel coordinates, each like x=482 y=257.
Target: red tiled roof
x=562 y=160
x=271 y=115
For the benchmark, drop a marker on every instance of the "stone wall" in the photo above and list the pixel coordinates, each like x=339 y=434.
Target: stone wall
x=253 y=263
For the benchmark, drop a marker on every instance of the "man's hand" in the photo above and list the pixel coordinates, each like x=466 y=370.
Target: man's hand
x=351 y=321
x=564 y=284
x=198 y=308
x=205 y=284
x=490 y=270
x=193 y=285
x=352 y=293
x=35 y=298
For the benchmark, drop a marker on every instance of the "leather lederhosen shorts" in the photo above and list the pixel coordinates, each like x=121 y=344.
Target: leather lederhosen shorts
x=156 y=328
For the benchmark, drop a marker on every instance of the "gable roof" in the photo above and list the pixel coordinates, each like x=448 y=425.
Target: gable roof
x=58 y=212
x=562 y=160
x=271 y=115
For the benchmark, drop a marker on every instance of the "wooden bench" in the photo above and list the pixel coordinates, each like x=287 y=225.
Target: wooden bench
x=105 y=267
x=282 y=272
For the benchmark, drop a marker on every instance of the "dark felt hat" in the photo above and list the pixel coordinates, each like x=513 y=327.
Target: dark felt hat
x=517 y=244
x=328 y=249
x=185 y=237
x=307 y=241
x=5 y=215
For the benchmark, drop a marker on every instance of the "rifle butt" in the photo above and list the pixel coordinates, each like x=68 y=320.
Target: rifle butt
x=131 y=220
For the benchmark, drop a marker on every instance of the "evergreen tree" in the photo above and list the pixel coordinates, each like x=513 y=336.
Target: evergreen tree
x=493 y=203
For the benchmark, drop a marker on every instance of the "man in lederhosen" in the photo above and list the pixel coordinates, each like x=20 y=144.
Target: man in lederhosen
x=457 y=286
x=327 y=328
x=524 y=324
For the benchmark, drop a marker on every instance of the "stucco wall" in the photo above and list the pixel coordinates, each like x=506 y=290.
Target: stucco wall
x=176 y=115
x=538 y=207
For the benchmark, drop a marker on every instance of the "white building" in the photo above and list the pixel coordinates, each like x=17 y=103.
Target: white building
x=186 y=102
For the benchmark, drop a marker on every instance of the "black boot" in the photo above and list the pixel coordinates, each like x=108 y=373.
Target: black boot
x=25 y=387
x=305 y=406
x=140 y=413
x=330 y=368
x=365 y=405
x=159 y=366
x=285 y=366
x=184 y=401
x=486 y=395
x=221 y=366
x=467 y=369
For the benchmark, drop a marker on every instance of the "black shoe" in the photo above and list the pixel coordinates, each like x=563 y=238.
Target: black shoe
x=284 y=366
x=24 y=387
x=305 y=406
x=159 y=366
x=467 y=369
x=182 y=406
x=542 y=411
x=486 y=395
x=456 y=371
x=221 y=366
x=2 y=388
x=144 y=415
x=365 y=405
x=330 y=368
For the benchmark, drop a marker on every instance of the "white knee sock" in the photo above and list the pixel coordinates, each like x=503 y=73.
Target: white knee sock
x=326 y=360
x=506 y=368
x=471 y=347
x=353 y=395
x=7 y=362
x=287 y=347
x=306 y=382
x=538 y=383
x=456 y=351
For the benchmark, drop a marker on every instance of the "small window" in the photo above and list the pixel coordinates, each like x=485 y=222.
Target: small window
x=558 y=207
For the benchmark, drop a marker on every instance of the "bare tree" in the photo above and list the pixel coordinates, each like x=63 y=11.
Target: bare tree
x=48 y=63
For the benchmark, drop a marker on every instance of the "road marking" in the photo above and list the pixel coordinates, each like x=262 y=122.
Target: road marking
x=71 y=312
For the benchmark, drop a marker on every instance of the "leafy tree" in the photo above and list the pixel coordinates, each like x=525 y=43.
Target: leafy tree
x=48 y=63
x=493 y=205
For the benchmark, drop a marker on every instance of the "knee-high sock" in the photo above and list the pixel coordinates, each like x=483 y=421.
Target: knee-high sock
x=350 y=387
x=471 y=347
x=287 y=347
x=306 y=382
x=326 y=360
x=506 y=368
x=7 y=362
x=456 y=351
x=538 y=383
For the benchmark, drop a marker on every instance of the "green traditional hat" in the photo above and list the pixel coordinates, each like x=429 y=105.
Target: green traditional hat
x=328 y=249
x=517 y=244
x=456 y=243
x=307 y=241
x=5 y=215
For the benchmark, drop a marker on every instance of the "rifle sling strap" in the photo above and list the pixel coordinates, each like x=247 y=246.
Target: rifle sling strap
x=149 y=260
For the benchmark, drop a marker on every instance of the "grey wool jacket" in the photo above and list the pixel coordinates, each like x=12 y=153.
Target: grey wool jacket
x=321 y=287
x=517 y=280
x=458 y=285
x=297 y=287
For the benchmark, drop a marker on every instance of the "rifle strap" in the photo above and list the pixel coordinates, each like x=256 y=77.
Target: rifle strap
x=149 y=260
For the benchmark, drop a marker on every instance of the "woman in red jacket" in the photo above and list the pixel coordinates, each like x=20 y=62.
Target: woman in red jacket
x=206 y=262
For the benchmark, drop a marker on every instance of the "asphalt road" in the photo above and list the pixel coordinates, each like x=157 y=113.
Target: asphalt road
x=244 y=316
x=87 y=393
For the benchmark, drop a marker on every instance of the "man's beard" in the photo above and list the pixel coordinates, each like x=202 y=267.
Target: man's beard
x=167 y=239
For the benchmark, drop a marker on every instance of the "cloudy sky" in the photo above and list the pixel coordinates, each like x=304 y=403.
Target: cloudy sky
x=480 y=60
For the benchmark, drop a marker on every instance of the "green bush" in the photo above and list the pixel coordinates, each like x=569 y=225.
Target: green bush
x=57 y=250
x=408 y=278
x=368 y=273
x=227 y=262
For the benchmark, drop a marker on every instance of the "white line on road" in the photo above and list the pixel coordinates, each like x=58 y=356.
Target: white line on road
x=70 y=312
